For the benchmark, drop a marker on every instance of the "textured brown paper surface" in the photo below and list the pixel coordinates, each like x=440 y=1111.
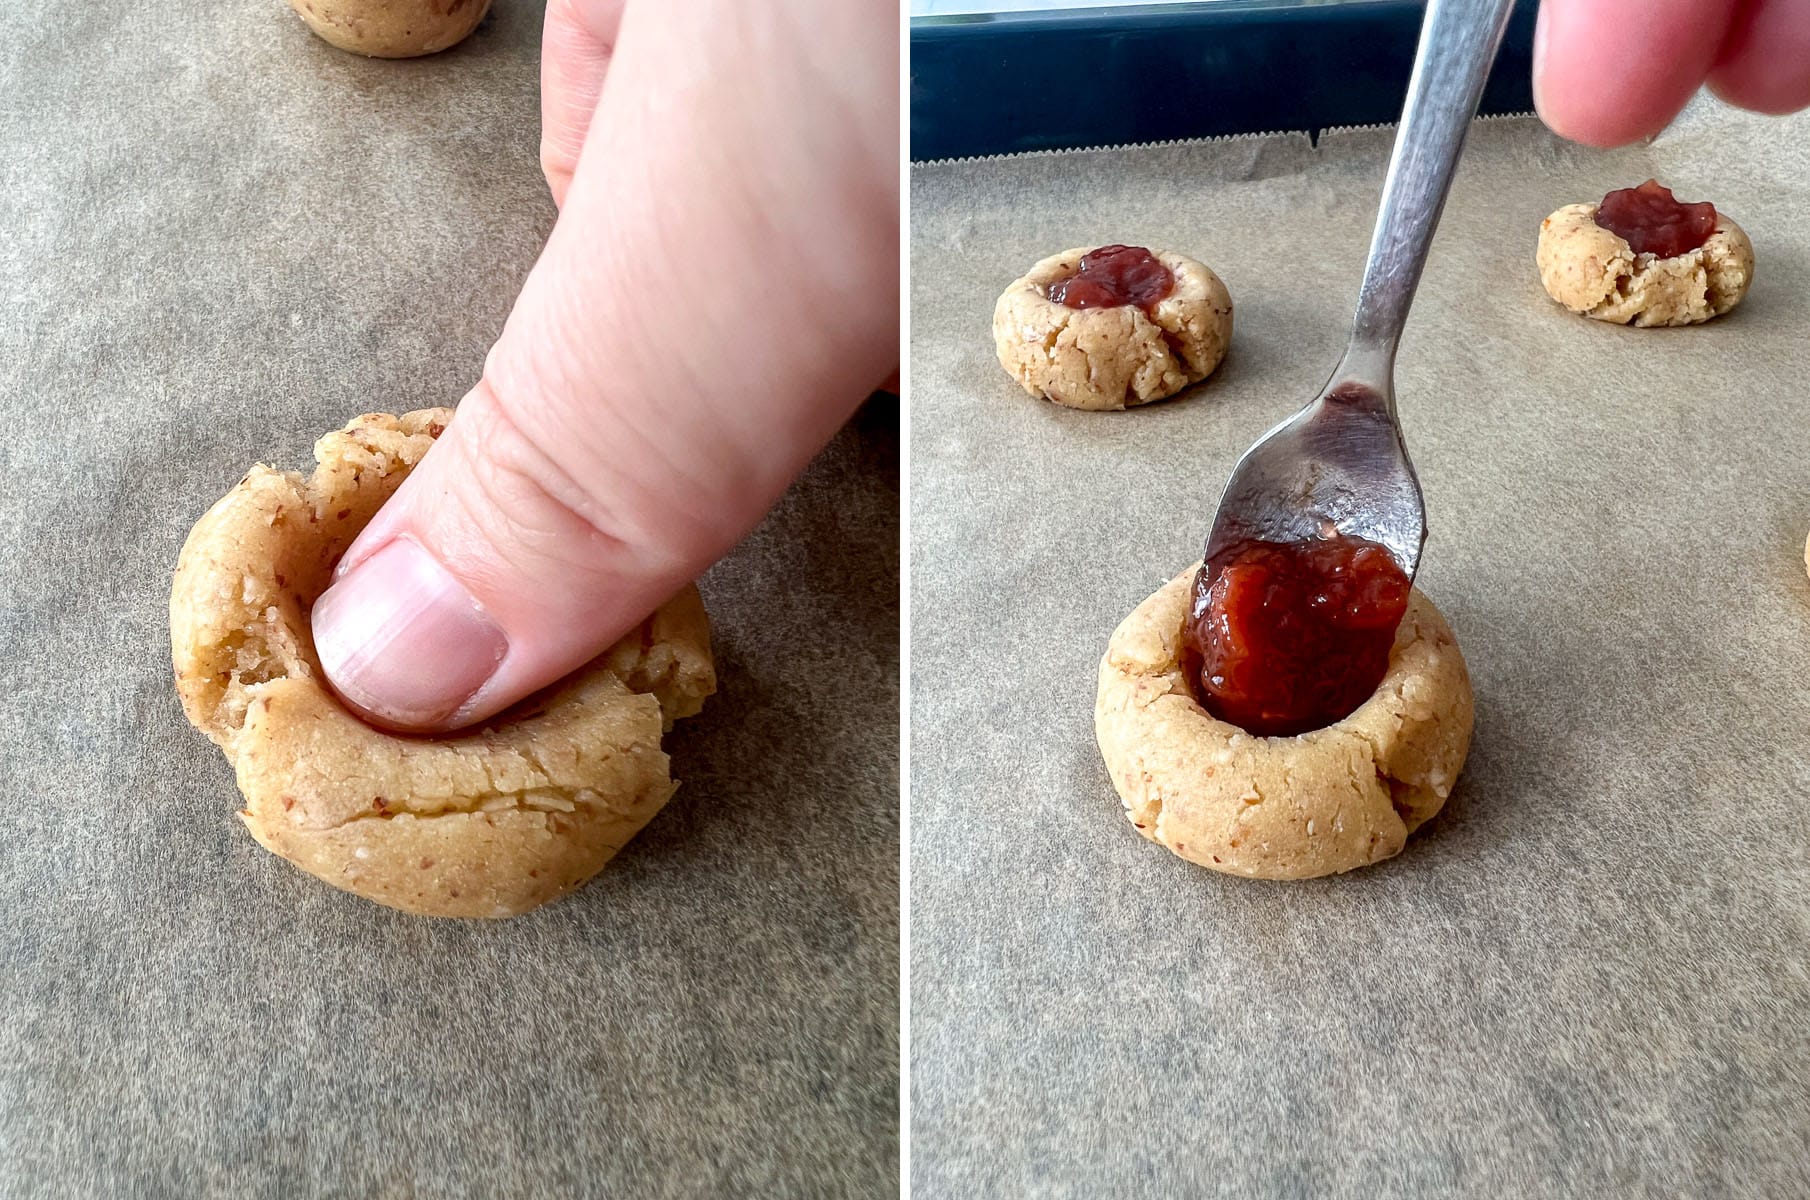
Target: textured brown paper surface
x=1588 y=977
x=219 y=238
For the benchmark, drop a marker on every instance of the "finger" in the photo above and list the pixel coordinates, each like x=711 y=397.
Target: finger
x=1764 y=64
x=707 y=312
x=518 y=549
x=1608 y=72
x=576 y=43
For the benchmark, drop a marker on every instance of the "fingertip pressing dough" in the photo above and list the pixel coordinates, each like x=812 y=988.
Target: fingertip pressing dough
x=1593 y=271
x=486 y=823
x=392 y=28
x=1318 y=803
x=1111 y=358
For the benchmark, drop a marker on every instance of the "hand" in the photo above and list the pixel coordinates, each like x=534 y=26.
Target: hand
x=1607 y=72
x=719 y=293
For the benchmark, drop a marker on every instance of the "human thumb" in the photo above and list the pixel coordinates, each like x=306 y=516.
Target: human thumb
x=706 y=313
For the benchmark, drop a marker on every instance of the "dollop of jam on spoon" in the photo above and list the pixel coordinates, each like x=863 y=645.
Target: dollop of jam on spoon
x=1285 y=637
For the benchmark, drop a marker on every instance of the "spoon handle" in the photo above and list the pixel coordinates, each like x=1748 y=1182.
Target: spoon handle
x=1458 y=42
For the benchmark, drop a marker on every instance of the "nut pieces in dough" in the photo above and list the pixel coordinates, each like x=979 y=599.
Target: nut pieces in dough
x=1280 y=808
x=392 y=28
x=1593 y=271
x=487 y=823
x=1111 y=358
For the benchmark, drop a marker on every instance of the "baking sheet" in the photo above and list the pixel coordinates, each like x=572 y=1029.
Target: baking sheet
x=219 y=238
x=1586 y=977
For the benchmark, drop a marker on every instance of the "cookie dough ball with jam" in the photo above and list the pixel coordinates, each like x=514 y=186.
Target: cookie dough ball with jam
x=1113 y=326
x=1642 y=257
x=1295 y=806
x=392 y=28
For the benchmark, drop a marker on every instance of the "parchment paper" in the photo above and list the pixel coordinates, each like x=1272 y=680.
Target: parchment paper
x=219 y=238
x=1588 y=976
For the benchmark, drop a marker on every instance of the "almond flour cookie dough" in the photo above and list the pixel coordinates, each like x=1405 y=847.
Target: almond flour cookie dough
x=1593 y=271
x=392 y=28
x=487 y=823
x=1111 y=358
x=1289 y=807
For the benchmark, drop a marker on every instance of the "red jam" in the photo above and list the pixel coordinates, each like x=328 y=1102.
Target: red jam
x=1284 y=637
x=1651 y=222
x=1115 y=275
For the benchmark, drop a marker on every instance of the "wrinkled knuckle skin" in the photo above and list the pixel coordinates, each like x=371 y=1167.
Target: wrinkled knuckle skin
x=530 y=495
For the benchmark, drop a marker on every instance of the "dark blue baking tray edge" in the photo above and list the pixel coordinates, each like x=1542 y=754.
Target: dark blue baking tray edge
x=1010 y=82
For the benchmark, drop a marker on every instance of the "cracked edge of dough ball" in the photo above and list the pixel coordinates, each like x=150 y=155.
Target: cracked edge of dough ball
x=1316 y=804
x=1109 y=359
x=392 y=28
x=1594 y=272
x=488 y=823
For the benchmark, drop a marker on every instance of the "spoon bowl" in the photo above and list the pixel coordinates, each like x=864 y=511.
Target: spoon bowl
x=1339 y=465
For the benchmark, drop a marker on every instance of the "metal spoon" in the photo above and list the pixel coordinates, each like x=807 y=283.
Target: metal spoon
x=1340 y=464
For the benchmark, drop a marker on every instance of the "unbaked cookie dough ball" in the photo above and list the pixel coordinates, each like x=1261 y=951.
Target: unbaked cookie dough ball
x=1112 y=326
x=1640 y=257
x=1317 y=803
x=392 y=28
x=489 y=822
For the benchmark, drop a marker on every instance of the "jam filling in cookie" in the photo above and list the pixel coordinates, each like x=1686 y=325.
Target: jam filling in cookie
x=1652 y=222
x=1285 y=637
x=1115 y=275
